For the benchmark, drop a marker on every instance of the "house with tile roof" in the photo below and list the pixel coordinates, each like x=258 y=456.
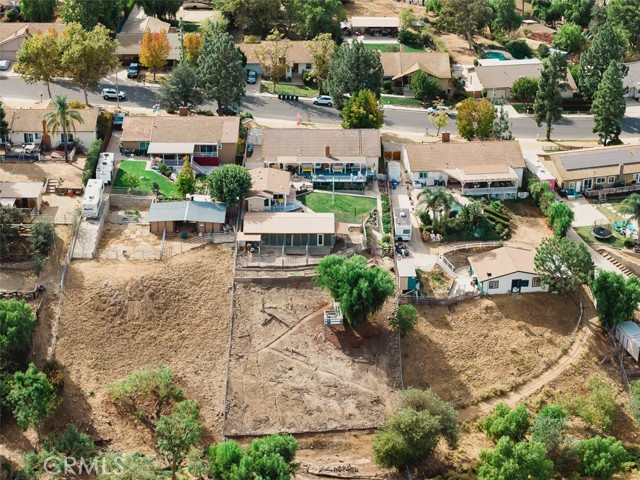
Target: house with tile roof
x=495 y=169
x=13 y=34
x=399 y=67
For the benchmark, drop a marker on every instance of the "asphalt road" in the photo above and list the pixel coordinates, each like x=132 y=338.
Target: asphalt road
x=401 y=120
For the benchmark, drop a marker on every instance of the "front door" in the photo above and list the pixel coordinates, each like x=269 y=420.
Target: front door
x=320 y=240
x=515 y=286
x=587 y=184
x=578 y=185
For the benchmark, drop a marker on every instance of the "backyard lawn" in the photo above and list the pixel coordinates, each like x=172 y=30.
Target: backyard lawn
x=347 y=208
x=392 y=47
x=617 y=241
x=288 y=89
x=147 y=177
x=399 y=100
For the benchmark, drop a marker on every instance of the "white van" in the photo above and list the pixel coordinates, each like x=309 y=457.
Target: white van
x=92 y=199
x=106 y=167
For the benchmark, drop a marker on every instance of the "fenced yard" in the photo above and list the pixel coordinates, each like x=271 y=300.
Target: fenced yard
x=137 y=168
x=347 y=208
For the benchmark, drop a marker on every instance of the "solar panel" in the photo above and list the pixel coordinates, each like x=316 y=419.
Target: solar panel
x=602 y=158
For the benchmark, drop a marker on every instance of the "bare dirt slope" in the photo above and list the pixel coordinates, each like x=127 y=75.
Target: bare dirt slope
x=118 y=317
x=285 y=377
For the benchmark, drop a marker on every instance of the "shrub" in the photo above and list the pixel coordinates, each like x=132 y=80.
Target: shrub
x=92 y=161
x=71 y=443
x=629 y=243
x=635 y=400
x=599 y=409
x=425 y=218
x=404 y=320
x=519 y=49
x=407 y=37
x=549 y=427
x=77 y=104
x=42 y=237
x=105 y=122
x=37 y=264
x=543 y=51
x=308 y=79
x=506 y=422
x=515 y=461
x=601 y=457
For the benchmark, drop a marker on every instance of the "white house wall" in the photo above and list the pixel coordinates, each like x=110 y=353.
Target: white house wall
x=504 y=285
x=85 y=138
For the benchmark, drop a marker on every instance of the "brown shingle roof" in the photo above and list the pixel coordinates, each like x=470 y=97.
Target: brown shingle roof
x=30 y=119
x=429 y=157
x=138 y=22
x=172 y=129
x=270 y=180
x=502 y=261
x=504 y=74
x=302 y=142
x=130 y=44
x=293 y=222
x=9 y=31
x=435 y=64
x=296 y=53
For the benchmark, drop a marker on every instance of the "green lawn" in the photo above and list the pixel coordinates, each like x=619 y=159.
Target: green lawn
x=137 y=168
x=392 y=47
x=347 y=208
x=617 y=241
x=399 y=100
x=288 y=89
x=409 y=48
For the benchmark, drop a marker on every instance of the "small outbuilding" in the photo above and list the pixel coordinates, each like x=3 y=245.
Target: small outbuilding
x=505 y=270
x=628 y=334
x=26 y=196
x=407 y=276
x=200 y=217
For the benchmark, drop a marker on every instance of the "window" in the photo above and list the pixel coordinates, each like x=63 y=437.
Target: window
x=611 y=180
x=572 y=185
x=494 y=284
x=587 y=184
x=64 y=138
x=535 y=282
x=320 y=239
x=307 y=66
x=144 y=146
x=600 y=180
x=29 y=137
x=267 y=202
x=424 y=174
x=209 y=150
x=635 y=176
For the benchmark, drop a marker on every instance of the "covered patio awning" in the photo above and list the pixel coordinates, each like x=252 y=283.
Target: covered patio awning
x=156 y=148
x=488 y=173
x=314 y=160
x=248 y=237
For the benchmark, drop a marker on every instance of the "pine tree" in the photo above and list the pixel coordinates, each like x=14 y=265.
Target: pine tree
x=547 y=107
x=610 y=44
x=501 y=126
x=186 y=182
x=179 y=90
x=609 y=105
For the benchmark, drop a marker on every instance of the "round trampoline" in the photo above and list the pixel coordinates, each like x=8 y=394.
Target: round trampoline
x=601 y=233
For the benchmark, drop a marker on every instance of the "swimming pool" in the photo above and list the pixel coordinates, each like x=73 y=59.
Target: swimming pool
x=493 y=54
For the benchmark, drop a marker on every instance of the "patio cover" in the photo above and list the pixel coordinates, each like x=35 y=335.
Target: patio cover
x=177 y=148
x=484 y=173
x=9 y=202
x=190 y=211
x=248 y=237
x=289 y=160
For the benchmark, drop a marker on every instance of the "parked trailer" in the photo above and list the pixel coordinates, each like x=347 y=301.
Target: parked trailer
x=394 y=171
x=92 y=199
x=402 y=224
x=628 y=334
x=106 y=167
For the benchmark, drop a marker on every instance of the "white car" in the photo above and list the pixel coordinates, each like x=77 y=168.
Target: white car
x=436 y=110
x=5 y=64
x=323 y=100
x=112 y=94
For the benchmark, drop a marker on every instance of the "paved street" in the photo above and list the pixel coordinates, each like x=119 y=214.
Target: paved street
x=401 y=120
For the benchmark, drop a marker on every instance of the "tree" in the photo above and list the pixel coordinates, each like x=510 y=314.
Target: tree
x=38 y=10
x=515 y=461
x=4 y=126
x=506 y=422
x=439 y=120
x=578 y=11
x=563 y=265
x=269 y=457
x=130 y=467
x=559 y=217
x=70 y=442
x=626 y=14
x=154 y=50
x=598 y=410
x=404 y=320
x=271 y=55
x=32 y=398
x=360 y=290
x=609 y=105
x=223 y=460
x=465 y=17
x=570 y=38
x=181 y=89
x=549 y=427
x=186 y=182
x=616 y=297
x=362 y=111
x=229 y=184
x=501 y=125
x=17 y=324
x=505 y=18
x=546 y=10
x=434 y=6
x=193 y=47
x=62 y=118
x=87 y=57
x=541 y=193
x=320 y=49
x=91 y=13
x=475 y=119
x=38 y=59
x=439 y=202
x=407 y=17
x=10 y=217
x=524 y=89
x=351 y=69
x=163 y=9
x=176 y=434
x=547 y=106
x=42 y=238
x=413 y=431
x=258 y=16
x=310 y=18
x=601 y=457
x=223 y=85
x=609 y=45
x=424 y=86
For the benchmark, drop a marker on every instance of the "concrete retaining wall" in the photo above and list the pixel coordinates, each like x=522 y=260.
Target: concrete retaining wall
x=130 y=201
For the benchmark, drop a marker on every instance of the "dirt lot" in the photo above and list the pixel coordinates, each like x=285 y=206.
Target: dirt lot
x=119 y=317
x=128 y=235
x=379 y=8
x=527 y=223
x=465 y=351
x=285 y=377
x=70 y=173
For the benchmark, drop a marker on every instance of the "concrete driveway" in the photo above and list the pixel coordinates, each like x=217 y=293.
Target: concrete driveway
x=585 y=213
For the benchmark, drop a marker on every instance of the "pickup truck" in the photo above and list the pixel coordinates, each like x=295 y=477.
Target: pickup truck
x=133 y=71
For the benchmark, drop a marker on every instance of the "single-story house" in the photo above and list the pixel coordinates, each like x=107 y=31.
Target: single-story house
x=505 y=270
x=295 y=232
x=374 y=25
x=13 y=34
x=207 y=141
x=474 y=168
x=27 y=126
x=296 y=57
x=130 y=35
x=26 y=196
x=271 y=191
x=206 y=217
x=407 y=276
x=399 y=67
x=323 y=156
x=631 y=80
x=594 y=170
x=497 y=77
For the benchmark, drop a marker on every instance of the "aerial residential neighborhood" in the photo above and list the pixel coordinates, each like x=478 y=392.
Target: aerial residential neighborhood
x=348 y=239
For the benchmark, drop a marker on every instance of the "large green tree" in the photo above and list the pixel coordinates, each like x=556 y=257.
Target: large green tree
x=42 y=238
x=178 y=433
x=506 y=422
x=559 y=217
x=181 y=89
x=465 y=17
x=353 y=68
x=258 y=16
x=164 y=9
x=38 y=59
x=87 y=57
x=602 y=457
x=362 y=111
x=360 y=289
x=17 y=323
x=505 y=17
x=91 y=13
x=609 y=105
x=38 y=10
x=229 y=184
x=549 y=427
x=186 y=182
x=515 y=461
x=609 y=45
x=439 y=202
x=413 y=431
x=524 y=89
x=616 y=297
x=547 y=107
x=309 y=18
x=570 y=38
x=425 y=87
x=321 y=50
x=224 y=85
x=62 y=118
x=626 y=14
x=475 y=119
x=563 y=265
x=10 y=217
x=577 y=11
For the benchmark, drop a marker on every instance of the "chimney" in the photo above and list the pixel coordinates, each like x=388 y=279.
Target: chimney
x=327 y=151
x=620 y=171
x=183 y=111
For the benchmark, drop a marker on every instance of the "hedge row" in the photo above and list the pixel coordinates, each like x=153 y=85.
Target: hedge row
x=92 y=160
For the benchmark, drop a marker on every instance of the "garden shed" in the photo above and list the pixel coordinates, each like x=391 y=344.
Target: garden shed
x=628 y=334
x=407 y=276
x=194 y=216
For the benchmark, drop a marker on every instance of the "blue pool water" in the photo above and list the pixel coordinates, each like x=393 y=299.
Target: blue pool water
x=497 y=55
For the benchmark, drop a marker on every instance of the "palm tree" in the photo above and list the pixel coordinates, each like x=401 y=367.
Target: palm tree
x=471 y=214
x=439 y=201
x=631 y=206
x=62 y=118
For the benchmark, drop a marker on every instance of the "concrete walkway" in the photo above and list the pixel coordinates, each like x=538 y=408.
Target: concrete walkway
x=598 y=260
x=585 y=213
